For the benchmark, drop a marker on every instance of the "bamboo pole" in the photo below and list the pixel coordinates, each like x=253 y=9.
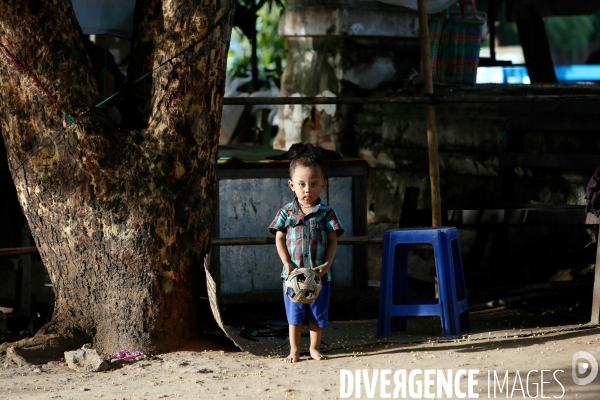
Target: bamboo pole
x=434 y=168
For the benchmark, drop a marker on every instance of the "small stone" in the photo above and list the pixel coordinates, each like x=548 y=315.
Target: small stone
x=84 y=389
x=85 y=360
x=37 y=370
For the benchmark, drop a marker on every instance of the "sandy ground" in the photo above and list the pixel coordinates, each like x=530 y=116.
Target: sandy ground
x=226 y=373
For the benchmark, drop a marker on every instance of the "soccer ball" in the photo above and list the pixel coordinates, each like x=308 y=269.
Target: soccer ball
x=304 y=285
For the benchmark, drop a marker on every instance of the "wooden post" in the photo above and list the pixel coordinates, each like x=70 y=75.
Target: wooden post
x=536 y=49
x=434 y=168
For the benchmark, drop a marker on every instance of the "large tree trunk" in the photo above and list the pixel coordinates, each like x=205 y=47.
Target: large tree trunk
x=121 y=217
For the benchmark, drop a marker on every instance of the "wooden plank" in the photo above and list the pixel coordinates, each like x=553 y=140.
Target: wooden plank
x=17 y=251
x=554 y=161
x=262 y=240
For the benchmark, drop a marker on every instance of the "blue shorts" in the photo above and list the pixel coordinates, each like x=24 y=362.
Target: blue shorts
x=316 y=312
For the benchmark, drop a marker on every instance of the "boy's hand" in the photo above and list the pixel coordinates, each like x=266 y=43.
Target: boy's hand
x=289 y=267
x=322 y=269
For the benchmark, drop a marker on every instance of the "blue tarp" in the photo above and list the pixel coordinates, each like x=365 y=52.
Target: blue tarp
x=110 y=17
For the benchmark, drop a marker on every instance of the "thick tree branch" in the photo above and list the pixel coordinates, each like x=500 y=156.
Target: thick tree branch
x=57 y=60
x=121 y=218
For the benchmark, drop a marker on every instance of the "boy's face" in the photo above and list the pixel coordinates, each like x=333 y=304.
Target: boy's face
x=307 y=183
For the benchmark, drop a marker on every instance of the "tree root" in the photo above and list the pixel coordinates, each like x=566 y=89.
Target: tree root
x=42 y=348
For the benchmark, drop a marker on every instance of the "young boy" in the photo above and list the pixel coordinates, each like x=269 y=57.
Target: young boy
x=306 y=233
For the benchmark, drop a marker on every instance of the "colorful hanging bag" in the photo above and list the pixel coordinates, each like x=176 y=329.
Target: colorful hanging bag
x=454 y=46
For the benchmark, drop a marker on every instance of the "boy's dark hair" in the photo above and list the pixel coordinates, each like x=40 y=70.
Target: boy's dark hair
x=307 y=161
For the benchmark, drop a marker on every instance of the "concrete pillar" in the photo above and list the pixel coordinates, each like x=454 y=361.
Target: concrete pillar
x=341 y=48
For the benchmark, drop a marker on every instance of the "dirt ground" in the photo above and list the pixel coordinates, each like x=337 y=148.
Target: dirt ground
x=224 y=372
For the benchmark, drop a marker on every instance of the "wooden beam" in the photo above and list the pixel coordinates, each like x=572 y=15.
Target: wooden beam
x=17 y=251
x=453 y=99
x=532 y=34
x=234 y=241
x=262 y=240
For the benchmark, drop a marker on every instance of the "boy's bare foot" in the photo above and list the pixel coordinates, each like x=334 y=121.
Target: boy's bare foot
x=317 y=355
x=293 y=357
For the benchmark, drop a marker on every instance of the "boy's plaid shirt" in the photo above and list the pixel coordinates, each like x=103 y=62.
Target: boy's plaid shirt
x=306 y=234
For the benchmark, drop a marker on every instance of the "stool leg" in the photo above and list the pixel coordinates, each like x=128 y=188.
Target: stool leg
x=385 y=289
x=457 y=294
x=400 y=285
x=451 y=290
x=441 y=267
x=461 y=290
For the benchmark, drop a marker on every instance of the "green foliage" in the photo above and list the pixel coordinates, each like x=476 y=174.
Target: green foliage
x=572 y=33
x=270 y=46
x=569 y=32
x=238 y=57
x=596 y=21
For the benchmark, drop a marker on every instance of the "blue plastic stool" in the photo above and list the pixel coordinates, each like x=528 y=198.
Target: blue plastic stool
x=451 y=305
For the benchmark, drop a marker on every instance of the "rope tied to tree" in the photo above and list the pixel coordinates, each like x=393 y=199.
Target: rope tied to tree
x=170 y=60
x=7 y=49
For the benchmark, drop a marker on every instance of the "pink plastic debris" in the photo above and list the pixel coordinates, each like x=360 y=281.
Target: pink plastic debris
x=126 y=355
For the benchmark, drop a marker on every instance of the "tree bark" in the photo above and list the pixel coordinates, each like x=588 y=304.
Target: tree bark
x=121 y=218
